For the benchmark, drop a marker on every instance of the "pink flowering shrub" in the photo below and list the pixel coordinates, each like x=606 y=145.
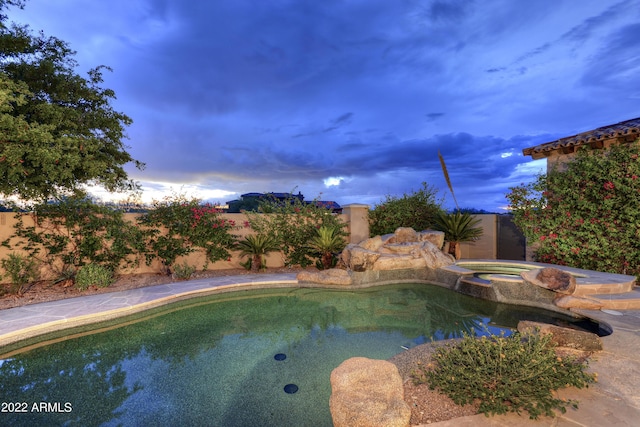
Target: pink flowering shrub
x=587 y=216
x=178 y=226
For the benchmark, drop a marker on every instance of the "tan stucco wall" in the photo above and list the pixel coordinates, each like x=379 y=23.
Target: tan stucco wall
x=197 y=259
x=356 y=216
x=486 y=247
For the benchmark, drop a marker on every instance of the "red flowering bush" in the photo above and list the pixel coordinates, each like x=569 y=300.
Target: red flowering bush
x=178 y=226
x=587 y=216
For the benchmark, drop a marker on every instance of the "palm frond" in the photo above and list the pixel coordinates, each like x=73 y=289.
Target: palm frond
x=458 y=227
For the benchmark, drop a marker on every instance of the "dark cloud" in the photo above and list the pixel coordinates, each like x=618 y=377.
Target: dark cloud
x=617 y=66
x=434 y=116
x=243 y=96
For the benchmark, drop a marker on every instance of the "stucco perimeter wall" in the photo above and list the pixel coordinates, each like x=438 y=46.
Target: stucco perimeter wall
x=486 y=247
x=355 y=215
x=8 y=220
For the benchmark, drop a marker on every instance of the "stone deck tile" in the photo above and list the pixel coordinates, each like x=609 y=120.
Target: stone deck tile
x=626 y=301
x=16 y=319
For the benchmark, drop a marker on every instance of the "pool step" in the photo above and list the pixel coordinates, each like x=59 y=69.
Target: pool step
x=623 y=301
x=589 y=289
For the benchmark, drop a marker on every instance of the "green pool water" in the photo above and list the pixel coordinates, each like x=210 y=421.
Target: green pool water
x=214 y=361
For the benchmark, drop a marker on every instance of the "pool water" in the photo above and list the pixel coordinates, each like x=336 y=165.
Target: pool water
x=236 y=359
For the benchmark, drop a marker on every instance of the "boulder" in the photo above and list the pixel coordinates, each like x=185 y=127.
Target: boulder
x=397 y=262
x=359 y=258
x=368 y=393
x=434 y=257
x=551 y=278
x=563 y=337
x=433 y=236
x=372 y=244
x=332 y=276
x=404 y=235
x=345 y=256
x=405 y=249
x=401 y=248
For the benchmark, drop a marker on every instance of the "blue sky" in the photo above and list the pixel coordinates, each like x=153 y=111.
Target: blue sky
x=350 y=100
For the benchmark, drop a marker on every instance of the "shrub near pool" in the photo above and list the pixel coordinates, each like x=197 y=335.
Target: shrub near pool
x=504 y=374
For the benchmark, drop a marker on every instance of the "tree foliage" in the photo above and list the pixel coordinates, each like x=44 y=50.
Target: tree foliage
x=586 y=216
x=416 y=210
x=58 y=130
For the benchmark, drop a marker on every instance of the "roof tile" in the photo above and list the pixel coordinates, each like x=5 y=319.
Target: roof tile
x=622 y=129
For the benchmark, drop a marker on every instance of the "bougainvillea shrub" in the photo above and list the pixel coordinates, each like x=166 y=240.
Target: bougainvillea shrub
x=588 y=215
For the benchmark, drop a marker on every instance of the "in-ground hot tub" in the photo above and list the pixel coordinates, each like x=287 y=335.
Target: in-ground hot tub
x=501 y=280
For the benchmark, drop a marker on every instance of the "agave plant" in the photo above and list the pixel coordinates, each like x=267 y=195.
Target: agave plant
x=257 y=247
x=327 y=242
x=458 y=227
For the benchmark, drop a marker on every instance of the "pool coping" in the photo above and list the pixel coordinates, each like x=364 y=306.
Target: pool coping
x=30 y=321
x=584 y=278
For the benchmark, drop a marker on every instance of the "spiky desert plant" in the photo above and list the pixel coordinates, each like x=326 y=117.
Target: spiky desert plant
x=458 y=227
x=257 y=246
x=327 y=242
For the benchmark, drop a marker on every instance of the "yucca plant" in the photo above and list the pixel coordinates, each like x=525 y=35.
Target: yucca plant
x=457 y=227
x=327 y=242
x=257 y=246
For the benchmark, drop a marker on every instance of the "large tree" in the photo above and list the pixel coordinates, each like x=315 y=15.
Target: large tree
x=58 y=130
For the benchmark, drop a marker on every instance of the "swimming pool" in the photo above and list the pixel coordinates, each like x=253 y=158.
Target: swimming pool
x=258 y=357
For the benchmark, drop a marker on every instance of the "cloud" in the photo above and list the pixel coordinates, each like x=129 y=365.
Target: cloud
x=240 y=96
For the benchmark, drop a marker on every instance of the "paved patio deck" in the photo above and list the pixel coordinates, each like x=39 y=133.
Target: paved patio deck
x=19 y=323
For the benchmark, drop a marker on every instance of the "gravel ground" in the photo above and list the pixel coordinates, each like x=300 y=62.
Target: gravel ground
x=427 y=406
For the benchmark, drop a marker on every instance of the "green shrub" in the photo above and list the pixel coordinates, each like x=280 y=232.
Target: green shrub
x=328 y=242
x=74 y=231
x=586 y=216
x=183 y=271
x=292 y=224
x=416 y=210
x=504 y=374
x=457 y=227
x=21 y=270
x=93 y=274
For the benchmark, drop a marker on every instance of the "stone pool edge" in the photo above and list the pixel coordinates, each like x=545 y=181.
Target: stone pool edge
x=28 y=322
x=62 y=322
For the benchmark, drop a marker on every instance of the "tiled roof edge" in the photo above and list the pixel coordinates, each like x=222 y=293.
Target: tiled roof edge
x=627 y=127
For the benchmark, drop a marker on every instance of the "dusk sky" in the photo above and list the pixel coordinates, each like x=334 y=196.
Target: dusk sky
x=350 y=100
